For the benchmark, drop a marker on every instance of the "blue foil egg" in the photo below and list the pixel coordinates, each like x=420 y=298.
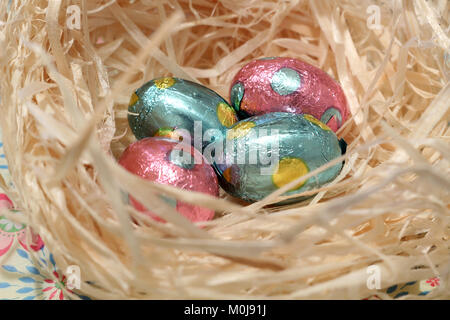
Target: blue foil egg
x=165 y=105
x=263 y=153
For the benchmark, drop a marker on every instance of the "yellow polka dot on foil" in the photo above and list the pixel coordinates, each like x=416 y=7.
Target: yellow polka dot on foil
x=134 y=98
x=226 y=114
x=240 y=130
x=164 y=83
x=227 y=174
x=288 y=170
x=166 y=132
x=310 y=118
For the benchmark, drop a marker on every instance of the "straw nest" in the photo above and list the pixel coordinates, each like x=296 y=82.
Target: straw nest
x=64 y=95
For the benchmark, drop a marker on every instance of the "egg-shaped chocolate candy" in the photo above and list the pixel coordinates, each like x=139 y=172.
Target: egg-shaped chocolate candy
x=169 y=162
x=263 y=153
x=288 y=85
x=171 y=104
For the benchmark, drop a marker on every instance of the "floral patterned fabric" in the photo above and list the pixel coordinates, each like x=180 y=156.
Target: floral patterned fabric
x=25 y=278
x=22 y=276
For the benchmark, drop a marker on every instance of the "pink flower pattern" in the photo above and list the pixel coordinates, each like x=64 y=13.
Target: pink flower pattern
x=55 y=287
x=434 y=282
x=10 y=231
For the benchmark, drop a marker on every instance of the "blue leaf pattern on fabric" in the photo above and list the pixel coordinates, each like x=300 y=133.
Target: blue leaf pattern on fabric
x=401 y=294
x=22 y=253
x=408 y=284
x=391 y=289
x=9 y=268
x=33 y=270
x=24 y=290
x=52 y=260
x=27 y=280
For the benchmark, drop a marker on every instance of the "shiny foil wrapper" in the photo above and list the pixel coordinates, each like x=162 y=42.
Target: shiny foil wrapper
x=173 y=104
x=263 y=153
x=162 y=160
x=288 y=85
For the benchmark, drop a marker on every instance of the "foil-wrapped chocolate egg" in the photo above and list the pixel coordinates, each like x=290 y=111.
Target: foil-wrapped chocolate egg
x=264 y=153
x=168 y=104
x=169 y=162
x=288 y=85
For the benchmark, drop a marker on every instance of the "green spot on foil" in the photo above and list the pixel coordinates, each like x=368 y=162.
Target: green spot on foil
x=237 y=93
x=330 y=113
x=285 y=81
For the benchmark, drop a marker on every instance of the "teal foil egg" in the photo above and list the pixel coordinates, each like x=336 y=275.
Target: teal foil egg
x=263 y=153
x=164 y=105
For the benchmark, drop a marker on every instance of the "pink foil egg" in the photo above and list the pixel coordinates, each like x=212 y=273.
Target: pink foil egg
x=288 y=85
x=162 y=160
